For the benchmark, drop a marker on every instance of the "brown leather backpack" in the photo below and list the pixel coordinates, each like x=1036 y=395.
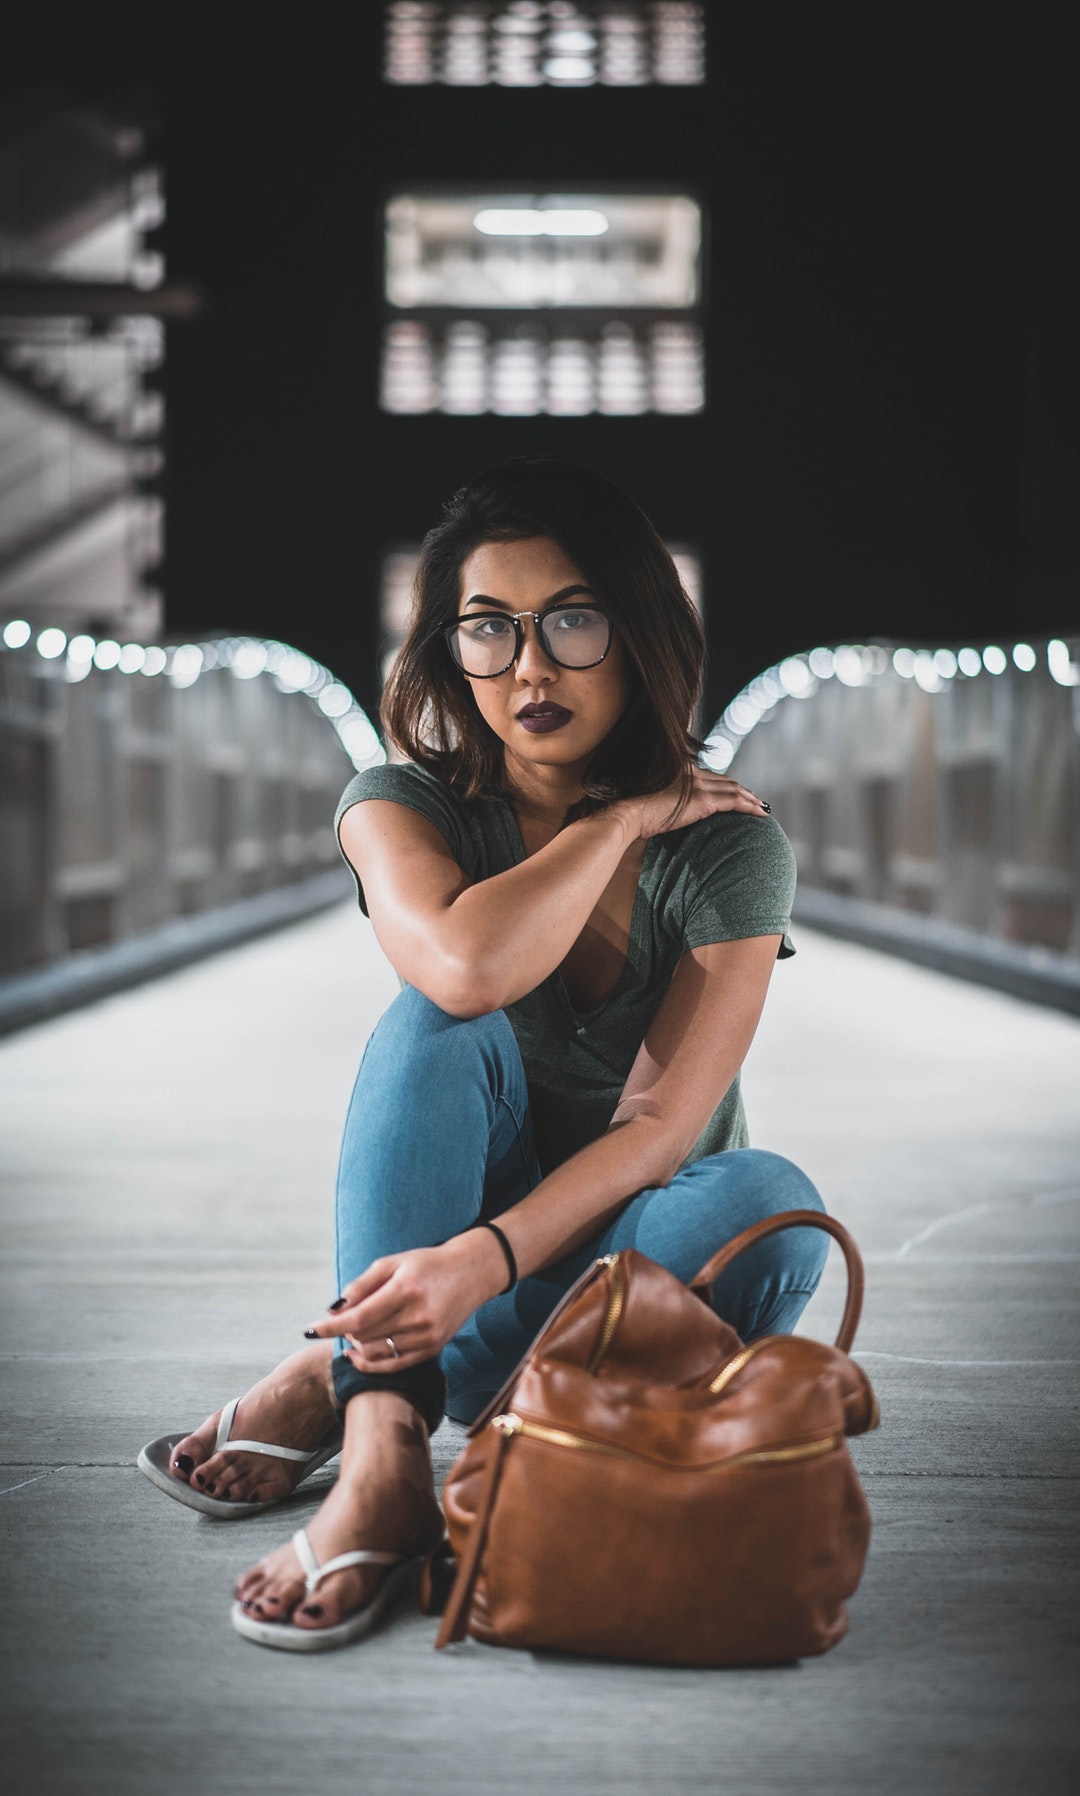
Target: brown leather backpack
x=647 y=1487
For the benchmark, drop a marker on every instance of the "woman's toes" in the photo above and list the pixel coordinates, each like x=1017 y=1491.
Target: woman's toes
x=243 y=1481
x=208 y=1476
x=228 y=1482
x=341 y=1596
x=268 y=1607
x=249 y=1583
x=190 y=1453
x=270 y=1589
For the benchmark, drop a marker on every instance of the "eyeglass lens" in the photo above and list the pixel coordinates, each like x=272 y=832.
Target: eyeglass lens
x=485 y=646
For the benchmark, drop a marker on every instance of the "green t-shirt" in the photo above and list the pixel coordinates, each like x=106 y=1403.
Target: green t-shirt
x=719 y=880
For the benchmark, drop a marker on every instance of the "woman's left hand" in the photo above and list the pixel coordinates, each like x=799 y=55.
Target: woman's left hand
x=416 y=1300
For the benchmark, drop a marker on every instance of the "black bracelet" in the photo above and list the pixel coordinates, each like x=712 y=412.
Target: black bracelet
x=511 y=1263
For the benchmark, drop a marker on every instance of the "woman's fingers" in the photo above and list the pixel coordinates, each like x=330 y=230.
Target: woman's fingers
x=377 y=1355
x=417 y=1300
x=722 y=782
x=709 y=793
x=375 y=1275
x=722 y=793
x=410 y=1346
x=374 y=1362
x=394 y=1303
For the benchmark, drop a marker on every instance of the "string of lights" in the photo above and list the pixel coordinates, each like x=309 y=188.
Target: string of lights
x=796 y=677
x=856 y=664
x=244 y=657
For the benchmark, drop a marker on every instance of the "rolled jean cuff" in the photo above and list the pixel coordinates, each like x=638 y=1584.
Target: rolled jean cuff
x=424 y=1385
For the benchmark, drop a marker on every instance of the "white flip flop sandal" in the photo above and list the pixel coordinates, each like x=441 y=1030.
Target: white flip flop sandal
x=156 y=1459
x=290 y=1639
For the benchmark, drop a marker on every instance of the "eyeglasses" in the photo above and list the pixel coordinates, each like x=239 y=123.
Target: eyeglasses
x=487 y=643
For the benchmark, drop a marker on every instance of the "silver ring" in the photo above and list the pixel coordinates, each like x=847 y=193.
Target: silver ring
x=389 y=1339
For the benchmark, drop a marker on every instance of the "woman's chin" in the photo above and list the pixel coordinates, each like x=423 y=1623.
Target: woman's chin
x=553 y=751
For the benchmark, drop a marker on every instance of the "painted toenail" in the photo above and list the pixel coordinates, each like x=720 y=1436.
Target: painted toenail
x=314 y=1609
x=184 y=1463
x=199 y=1479
x=338 y=1304
x=310 y=1334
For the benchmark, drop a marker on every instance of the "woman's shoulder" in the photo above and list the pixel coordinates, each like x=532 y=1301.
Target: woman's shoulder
x=405 y=783
x=729 y=876
x=736 y=842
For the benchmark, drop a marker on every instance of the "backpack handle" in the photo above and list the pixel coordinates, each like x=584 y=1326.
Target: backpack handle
x=789 y=1219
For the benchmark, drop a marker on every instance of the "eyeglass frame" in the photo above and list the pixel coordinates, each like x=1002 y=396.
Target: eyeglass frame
x=514 y=617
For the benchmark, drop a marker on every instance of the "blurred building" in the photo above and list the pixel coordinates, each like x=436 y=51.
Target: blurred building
x=81 y=353
x=565 y=303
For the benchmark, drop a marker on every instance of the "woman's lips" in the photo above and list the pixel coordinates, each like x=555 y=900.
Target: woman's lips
x=540 y=720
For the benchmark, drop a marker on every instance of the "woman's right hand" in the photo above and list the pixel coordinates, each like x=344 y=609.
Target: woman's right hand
x=710 y=792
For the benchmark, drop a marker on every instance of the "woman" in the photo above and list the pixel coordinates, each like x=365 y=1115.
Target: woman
x=584 y=922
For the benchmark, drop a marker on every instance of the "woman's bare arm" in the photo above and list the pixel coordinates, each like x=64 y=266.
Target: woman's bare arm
x=475 y=948
x=694 y=1047
x=471 y=948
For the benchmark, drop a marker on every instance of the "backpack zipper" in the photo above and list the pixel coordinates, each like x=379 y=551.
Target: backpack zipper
x=616 y=1299
x=511 y=1424
x=732 y=1367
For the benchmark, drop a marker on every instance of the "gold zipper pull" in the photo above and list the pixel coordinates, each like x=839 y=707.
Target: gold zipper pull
x=607 y=1259
x=508 y=1424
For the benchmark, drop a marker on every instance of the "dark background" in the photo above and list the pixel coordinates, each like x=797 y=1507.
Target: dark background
x=889 y=448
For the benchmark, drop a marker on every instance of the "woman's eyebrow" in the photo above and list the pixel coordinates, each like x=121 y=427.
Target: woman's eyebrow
x=565 y=592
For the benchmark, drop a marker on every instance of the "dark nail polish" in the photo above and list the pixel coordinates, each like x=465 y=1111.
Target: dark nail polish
x=313 y=1609
x=209 y=1490
x=184 y=1463
x=226 y=1496
x=310 y=1335
x=338 y=1304
x=199 y=1479
x=766 y=807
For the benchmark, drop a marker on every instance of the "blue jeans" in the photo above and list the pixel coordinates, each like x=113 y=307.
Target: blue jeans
x=439 y=1135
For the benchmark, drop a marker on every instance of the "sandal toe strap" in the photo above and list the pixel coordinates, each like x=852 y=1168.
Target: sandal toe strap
x=314 y=1573
x=273 y=1452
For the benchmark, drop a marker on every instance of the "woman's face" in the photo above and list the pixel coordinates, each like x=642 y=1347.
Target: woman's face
x=546 y=715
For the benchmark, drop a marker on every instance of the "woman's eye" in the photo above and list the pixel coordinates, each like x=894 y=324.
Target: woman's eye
x=490 y=627
x=573 y=620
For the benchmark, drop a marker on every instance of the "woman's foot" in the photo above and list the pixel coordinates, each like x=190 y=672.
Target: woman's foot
x=293 y=1406
x=384 y=1500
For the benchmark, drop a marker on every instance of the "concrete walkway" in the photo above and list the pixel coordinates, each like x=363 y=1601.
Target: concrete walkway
x=168 y=1158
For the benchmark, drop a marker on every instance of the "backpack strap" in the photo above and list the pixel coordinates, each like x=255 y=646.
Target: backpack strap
x=455 y=1621
x=790 y=1219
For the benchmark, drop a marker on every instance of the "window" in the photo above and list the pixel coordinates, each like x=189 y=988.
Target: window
x=560 y=303
x=614 y=43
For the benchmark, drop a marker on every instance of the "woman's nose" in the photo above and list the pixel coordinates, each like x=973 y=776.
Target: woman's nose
x=533 y=665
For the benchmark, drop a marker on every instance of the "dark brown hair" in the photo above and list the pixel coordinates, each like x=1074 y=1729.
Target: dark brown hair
x=427 y=707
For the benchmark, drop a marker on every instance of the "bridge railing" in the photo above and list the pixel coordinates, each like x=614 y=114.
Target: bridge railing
x=934 y=793
x=143 y=785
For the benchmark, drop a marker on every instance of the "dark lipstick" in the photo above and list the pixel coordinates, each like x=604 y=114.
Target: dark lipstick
x=540 y=720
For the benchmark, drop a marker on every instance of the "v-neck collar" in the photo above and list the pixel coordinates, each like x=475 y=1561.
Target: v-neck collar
x=582 y=1018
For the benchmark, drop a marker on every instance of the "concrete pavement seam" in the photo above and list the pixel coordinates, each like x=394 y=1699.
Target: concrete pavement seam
x=35 y=1480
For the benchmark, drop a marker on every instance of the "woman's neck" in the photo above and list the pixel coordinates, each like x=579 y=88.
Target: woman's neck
x=541 y=796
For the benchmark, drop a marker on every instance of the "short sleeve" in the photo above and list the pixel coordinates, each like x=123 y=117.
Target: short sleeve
x=419 y=791
x=740 y=881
